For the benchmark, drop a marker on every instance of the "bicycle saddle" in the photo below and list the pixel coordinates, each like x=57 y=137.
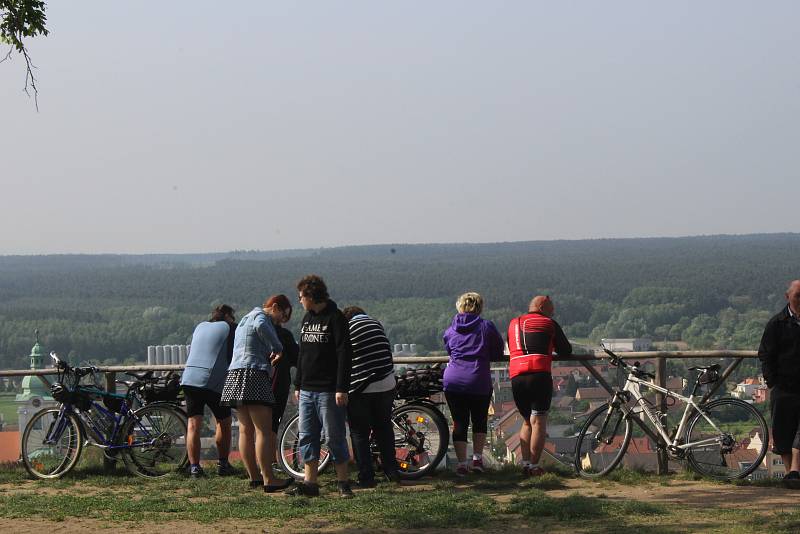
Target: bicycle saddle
x=714 y=367
x=141 y=376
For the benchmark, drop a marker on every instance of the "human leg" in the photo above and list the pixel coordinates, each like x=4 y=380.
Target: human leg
x=383 y=431
x=222 y=436
x=525 y=432
x=195 y=423
x=247 y=443
x=334 y=420
x=459 y=411
x=522 y=398
x=784 y=408
x=479 y=413
x=309 y=439
x=264 y=447
x=358 y=417
x=538 y=434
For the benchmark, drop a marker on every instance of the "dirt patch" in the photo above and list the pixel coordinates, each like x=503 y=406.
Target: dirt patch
x=690 y=493
x=33 y=487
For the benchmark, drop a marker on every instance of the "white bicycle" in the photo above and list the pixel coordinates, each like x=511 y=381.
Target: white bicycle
x=723 y=438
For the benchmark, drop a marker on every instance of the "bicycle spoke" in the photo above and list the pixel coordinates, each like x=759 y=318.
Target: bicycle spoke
x=728 y=440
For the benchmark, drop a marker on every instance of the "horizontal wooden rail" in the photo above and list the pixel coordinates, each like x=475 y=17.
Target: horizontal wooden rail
x=398 y=360
x=584 y=356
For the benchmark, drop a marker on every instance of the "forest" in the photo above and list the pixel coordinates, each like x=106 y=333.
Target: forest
x=709 y=292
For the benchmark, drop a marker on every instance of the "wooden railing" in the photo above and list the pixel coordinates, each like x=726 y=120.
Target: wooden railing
x=585 y=358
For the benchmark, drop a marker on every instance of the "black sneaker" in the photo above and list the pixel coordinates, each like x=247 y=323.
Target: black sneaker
x=226 y=470
x=196 y=471
x=344 y=489
x=366 y=484
x=255 y=484
x=307 y=490
x=792 y=475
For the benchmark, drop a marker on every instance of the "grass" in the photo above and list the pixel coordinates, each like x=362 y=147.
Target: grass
x=8 y=408
x=497 y=500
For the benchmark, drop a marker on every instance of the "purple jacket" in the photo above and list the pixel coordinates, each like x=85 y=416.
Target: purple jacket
x=471 y=343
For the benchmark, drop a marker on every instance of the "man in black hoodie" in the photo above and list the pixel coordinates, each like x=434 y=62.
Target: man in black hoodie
x=321 y=385
x=779 y=353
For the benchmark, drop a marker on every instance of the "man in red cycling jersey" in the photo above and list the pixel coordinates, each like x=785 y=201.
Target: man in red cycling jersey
x=532 y=339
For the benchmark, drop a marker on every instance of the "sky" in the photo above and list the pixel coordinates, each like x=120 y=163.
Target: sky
x=198 y=126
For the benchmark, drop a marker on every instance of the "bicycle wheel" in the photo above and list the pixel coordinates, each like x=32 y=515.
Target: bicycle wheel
x=182 y=413
x=732 y=439
x=51 y=444
x=288 y=451
x=421 y=437
x=602 y=442
x=154 y=441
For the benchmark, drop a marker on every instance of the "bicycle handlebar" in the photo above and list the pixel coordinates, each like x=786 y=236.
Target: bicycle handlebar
x=616 y=361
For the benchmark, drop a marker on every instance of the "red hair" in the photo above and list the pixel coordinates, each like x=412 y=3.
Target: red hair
x=282 y=301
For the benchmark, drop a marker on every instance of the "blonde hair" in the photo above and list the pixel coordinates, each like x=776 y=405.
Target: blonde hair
x=470 y=302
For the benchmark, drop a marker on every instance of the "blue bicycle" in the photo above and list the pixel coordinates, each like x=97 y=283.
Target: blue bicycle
x=150 y=440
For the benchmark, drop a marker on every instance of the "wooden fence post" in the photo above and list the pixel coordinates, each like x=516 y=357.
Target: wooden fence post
x=111 y=381
x=661 y=405
x=110 y=462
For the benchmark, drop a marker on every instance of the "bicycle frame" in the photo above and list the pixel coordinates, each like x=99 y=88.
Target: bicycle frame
x=632 y=385
x=108 y=440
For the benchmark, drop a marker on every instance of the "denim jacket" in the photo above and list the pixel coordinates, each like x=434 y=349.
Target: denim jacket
x=254 y=340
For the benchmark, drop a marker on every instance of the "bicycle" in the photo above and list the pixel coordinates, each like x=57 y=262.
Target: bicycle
x=421 y=437
x=148 y=390
x=151 y=439
x=713 y=436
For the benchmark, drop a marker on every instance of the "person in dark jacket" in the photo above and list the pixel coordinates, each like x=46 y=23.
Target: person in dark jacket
x=202 y=380
x=321 y=385
x=281 y=377
x=471 y=342
x=779 y=353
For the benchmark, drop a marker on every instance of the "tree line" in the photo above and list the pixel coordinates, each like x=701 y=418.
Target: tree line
x=707 y=292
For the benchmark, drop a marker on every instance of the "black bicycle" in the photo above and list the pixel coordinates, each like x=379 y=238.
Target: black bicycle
x=421 y=433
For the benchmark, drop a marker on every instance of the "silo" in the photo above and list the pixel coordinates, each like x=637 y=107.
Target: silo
x=183 y=350
x=398 y=347
x=412 y=348
x=176 y=354
x=159 y=355
x=405 y=347
x=151 y=355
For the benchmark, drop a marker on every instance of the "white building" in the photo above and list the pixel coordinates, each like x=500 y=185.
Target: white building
x=634 y=344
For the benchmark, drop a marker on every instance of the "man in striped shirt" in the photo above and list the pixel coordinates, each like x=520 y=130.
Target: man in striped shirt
x=372 y=391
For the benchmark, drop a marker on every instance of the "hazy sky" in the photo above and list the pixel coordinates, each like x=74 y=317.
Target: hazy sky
x=208 y=126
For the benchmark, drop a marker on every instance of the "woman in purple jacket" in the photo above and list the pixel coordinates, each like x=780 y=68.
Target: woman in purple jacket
x=472 y=343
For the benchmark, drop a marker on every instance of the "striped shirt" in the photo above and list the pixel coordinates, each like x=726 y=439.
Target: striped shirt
x=372 y=354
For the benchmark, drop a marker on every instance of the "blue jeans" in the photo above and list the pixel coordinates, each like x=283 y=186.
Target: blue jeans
x=318 y=410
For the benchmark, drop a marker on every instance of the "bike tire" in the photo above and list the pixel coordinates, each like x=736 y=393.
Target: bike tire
x=731 y=456
x=418 y=457
x=51 y=461
x=602 y=442
x=160 y=432
x=288 y=451
x=180 y=411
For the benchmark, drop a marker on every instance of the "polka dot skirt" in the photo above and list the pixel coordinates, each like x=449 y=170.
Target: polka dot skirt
x=247 y=386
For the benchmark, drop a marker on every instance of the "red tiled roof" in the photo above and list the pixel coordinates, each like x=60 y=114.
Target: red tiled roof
x=9 y=446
